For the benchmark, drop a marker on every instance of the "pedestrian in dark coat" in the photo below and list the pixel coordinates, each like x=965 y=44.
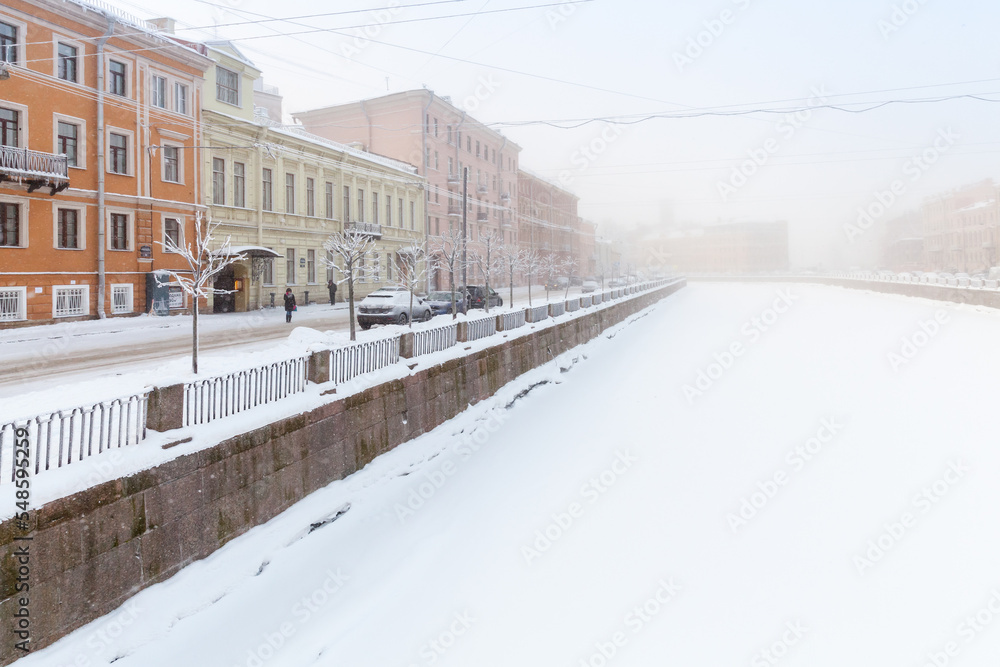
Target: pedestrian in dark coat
x=289 y=304
x=332 y=286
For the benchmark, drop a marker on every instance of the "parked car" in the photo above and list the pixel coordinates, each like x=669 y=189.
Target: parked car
x=392 y=306
x=440 y=301
x=575 y=280
x=557 y=283
x=617 y=282
x=477 y=297
x=589 y=285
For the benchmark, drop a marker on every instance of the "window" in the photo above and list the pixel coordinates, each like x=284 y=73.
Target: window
x=399 y=218
x=268 y=278
x=68 y=229
x=227 y=86
x=451 y=167
x=172 y=231
x=427 y=156
x=218 y=181
x=121 y=298
x=180 y=98
x=68 y=62
x=119 y=153
x=119 y=231
x=388 y=211
x=375 y=207
x=436 y=163
x=388 y=267
x=8 y=43
x=116 y=78
x=361 y=205
x=67 y=138
x=329 y=266
x=448 y=133
x=239 y=184
x=329 y=200
x=310 y=197
x=10 y=225
x=267 y=192
x=290 y=266
x=435 y=127
x=347 y=203
x=171 y=164
x=158 y=94
x=70 y=300
x=477 y=149
x=13 y=304
x=10 y=128
x=311 y=266
x=376 y=269
x=468 y=144
x=360 y=272
x=413 y=215
x=289 y=193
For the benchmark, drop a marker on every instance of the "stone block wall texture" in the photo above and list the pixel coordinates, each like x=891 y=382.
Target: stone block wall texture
x=93 y=550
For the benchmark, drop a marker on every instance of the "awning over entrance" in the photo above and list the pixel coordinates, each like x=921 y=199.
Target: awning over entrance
x=250 y=251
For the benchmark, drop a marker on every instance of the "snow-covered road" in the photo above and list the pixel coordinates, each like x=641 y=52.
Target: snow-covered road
x=744 y=475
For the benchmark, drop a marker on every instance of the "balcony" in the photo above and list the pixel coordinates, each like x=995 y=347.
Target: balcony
x=35 y=169
x=372 y=229
x=482 y=189
x=455 y=210
x=454 y=179
x=482 y=216
x=505 y=197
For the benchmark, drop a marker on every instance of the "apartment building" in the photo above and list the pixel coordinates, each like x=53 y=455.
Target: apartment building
x=740 y=247
x=99 y=114
x=279 y=192
x=443 y=140
x=960 y=228
x=548 y=222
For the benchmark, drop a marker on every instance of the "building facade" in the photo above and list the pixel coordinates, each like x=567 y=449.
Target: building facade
x=98 y=114
x=549 y=224
x=960 y=229
x=443 y=140
x=279 y=192
x=745 y=247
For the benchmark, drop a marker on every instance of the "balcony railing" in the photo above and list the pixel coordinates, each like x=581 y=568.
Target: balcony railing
x=482 y=188
x=34 y=168
x=454 y=179
x=505 y=197
x=482 y=216
x=368 y=228
x=455 y=210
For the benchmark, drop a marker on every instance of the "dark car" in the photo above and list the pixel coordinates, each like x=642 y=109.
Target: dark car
x=440 y=301
x=477 y=297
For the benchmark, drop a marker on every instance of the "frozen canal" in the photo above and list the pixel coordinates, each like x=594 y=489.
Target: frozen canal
x=747 y=475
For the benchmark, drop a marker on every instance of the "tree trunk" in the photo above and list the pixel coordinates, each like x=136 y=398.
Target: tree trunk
x=454 y=304
x=350 y=299
x=511 y=304
x=194 y=336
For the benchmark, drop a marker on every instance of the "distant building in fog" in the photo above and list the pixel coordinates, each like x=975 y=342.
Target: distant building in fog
x=739 y=247
x=903 y=243
x=960 y=229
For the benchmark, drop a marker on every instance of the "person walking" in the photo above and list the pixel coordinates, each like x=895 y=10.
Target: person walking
x=289 y=304
x=332 y=286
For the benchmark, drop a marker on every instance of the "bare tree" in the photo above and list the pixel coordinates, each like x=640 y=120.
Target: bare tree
x=548 y=268
x=412 y=266
x=449 y=249
x=485 y=255
x=512 y=259
x=204 y=264
x=350 y=248
x=531 y=264
x=568 y=266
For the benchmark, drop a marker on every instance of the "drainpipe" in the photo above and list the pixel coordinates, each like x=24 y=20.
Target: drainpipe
x=423 y=161
x=100 y=166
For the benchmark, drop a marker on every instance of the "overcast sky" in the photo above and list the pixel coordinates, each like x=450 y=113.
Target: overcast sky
x=627 y=58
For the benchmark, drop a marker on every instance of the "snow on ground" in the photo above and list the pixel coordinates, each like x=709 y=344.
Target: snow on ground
x=819 y=503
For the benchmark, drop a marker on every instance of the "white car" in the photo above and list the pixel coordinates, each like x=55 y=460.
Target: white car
x=589 y=286
x=392 y=306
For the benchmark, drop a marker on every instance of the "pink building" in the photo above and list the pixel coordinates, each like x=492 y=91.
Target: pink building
x=548 y=223
x=427 y=130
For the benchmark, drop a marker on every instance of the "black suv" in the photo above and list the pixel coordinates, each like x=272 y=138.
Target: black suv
x=477 y=297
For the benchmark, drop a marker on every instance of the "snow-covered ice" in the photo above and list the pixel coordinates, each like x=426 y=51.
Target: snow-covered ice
x=819 y=501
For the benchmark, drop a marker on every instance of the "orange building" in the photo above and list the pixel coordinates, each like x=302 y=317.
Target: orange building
x=99 y=114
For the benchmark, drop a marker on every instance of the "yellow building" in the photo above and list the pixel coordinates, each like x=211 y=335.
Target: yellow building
x=278 y=188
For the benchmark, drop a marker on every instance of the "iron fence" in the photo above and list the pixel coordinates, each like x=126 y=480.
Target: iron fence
x=512 y=319
x=349 y=361
x=57 y=439
x=539 y=313
x=427 y=341
x=481 y=328
x=225 y=395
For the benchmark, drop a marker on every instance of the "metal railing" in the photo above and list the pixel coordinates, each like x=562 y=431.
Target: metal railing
x=596 y=298
x=481 y=328
x=24 y=163
x=557 y=309
x=349 y=361
x=71 y=301
x=586 y=301
x=539 y=313
x=368 y=228
x=512 y=319
x=225 y=395
x=572 y=305
x=426 y=341
x=59 y=438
